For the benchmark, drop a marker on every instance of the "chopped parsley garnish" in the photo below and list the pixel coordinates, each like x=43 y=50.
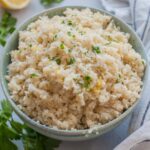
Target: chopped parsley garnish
x=71 y=61
x=96 y=49
x=55 y=37
x=70 y=23
x=58 y=61
x=7 y=26
x=119 y=75
x=53 y=58
x=143 y=62
x=33 y=75
x=30 y=45
x=70 y=50
x=48 y=2
x=69 y=33
x=2 y=41
x=87 y=81
x=82 y=32
x=62 y=46
x=49 y=58
x=63 y=22
x=73 y=36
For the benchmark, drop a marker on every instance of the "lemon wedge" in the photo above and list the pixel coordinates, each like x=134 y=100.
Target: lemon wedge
x=14 y=4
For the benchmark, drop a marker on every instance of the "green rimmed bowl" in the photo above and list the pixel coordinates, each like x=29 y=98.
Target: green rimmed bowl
x=71 y=135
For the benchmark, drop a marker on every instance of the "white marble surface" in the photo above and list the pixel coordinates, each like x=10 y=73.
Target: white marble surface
x=105 y=142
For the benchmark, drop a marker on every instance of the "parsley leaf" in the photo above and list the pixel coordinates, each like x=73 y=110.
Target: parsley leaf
x=49 y=142
x=58 y=61
x=6 y=107
x=6 y=144
x=87 y=81
x=10 y=133
x=6 y=113
x=33 y=75
x=35 y=141
x=143 y=62
x=7 y=26
x=96 y=49
x=71 y=61
x=69 y=33
x=49 y=2
x=12 y=130
x=2 y=41
x=70 y=50
x=17 y=126
x=70 y=23
x=62 y=46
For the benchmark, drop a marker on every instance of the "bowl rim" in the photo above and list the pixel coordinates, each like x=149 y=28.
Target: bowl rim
x=97 y=127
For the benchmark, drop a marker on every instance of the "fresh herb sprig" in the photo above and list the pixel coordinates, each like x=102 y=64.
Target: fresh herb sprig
x=7 y=26
x=11 y=130
x=48 y=2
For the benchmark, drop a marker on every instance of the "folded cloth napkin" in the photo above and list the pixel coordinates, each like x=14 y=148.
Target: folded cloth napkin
x=136 y=13
x=135 y=139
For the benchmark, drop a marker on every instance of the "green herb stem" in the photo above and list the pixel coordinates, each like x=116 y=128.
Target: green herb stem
x=7 y=26
x=11 y=130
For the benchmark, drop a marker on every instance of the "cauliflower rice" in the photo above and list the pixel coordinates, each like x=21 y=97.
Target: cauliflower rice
x=74 y=71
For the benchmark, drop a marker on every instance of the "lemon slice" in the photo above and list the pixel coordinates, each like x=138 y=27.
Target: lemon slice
x=14 y=4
